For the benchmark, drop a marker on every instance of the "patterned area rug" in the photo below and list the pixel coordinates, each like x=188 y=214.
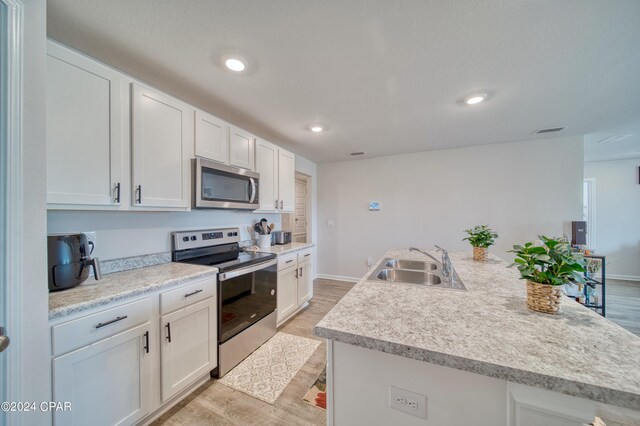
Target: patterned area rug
x=265 y=373
x=317 y=393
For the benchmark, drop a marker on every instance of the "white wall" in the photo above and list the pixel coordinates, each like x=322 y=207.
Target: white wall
x=520 y=189
x=34 y=339
x=617 y=228
x=124 y=234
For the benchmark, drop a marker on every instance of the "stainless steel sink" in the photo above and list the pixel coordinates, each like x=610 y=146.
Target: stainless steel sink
x=417 y=272
x=409 y=277
x=417 y=265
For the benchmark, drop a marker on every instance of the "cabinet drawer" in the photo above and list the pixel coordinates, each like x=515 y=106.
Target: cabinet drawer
x=304 y=255
x=187 y=295
x=287 y=261
x=92 y=328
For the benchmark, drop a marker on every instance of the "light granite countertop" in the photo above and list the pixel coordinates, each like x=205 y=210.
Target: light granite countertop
x=122 y=285
x=489 y=330
x=286 y=248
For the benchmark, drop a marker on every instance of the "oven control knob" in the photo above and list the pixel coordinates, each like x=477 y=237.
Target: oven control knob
x=235 y=234
x=230 y=234
x=273 y=292
x=193 y=238
x=185 y=238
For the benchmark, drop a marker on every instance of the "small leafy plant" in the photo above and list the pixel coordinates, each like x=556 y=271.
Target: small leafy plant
x=552 y=263
x=481 y=236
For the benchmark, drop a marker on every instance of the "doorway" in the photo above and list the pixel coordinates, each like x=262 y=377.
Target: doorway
x=298 y=221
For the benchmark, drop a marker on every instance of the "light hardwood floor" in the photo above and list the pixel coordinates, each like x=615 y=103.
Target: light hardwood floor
x=215 y=404
x=623 y=304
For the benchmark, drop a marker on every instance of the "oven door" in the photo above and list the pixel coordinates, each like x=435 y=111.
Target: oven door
x=221 y=186
x=245 y=297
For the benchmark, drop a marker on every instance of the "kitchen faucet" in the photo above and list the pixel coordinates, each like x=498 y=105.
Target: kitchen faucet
x=447 y=268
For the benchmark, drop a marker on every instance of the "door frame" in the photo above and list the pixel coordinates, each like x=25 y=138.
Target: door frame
x=591 y=212
x=11 y=186
x=307 y=179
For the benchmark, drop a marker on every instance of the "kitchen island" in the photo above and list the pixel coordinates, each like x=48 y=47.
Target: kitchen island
x=478 y=356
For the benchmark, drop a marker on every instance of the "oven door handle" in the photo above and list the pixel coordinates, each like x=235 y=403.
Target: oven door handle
x=244 y=271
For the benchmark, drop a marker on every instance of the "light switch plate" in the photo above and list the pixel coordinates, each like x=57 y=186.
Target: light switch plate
x=408 y=402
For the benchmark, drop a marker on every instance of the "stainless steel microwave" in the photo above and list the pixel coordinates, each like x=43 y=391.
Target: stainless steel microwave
x=218 y=186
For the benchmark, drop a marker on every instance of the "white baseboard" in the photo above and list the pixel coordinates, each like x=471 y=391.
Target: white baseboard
x=338 y=278
x=623 y=277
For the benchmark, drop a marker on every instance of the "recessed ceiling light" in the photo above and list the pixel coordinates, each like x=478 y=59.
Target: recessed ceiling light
x=475 y=98
x=616 y=138
x=235 y=63
x=317 y=129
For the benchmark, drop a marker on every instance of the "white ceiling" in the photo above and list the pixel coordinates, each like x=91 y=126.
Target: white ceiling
x=383 y=75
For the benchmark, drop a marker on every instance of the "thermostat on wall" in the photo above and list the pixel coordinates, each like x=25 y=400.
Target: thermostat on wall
x=374 y=206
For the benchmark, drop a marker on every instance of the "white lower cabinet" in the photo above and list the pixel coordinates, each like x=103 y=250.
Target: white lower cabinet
x=107 y=382
x=124 y=363
x=189 y=346
x=305 y=282
x=287 y=292
x=295 y=283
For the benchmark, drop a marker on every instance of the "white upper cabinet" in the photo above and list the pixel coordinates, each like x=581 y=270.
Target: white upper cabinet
x=267 y=166
x=277 y=168
x=84 y=131
x=287 y=180
x=161 y=149
x=211 y=137
x=241 y=152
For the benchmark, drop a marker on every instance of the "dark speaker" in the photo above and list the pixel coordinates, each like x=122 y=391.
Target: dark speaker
x=579 y=232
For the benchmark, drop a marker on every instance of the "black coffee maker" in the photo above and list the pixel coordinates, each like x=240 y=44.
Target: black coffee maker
x=70 y=260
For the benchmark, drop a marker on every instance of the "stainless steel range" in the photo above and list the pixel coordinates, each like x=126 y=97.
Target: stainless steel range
x=247 y=290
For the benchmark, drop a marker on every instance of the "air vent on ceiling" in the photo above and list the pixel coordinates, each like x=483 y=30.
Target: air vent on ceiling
x=549 y=130
x=357 y=153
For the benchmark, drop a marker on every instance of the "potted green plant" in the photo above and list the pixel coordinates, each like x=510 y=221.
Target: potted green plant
x=480 y=237
x=547 y=268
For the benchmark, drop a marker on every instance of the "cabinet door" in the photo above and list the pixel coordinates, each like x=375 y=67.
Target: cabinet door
x=529 y=406
x=189 y=346
x=241 y=153
x=108 y=382
x=287 y=181
x=211 y=137
x=287 y=292
x=305 y=282
x=161 y=131
x=84 y=130
x=267 y=166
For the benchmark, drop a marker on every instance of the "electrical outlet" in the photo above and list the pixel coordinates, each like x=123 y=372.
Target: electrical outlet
x=408 y=402
x=91 y=237
x=330 y=223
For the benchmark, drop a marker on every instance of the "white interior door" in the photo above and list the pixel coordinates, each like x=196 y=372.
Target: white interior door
x=300 y=214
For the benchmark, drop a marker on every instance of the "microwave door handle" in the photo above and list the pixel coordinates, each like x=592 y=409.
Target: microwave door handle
x=244 y=271
x=253 y=189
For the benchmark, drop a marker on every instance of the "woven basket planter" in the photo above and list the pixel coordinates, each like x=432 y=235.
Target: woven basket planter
x=480 y=253
x=544 y=298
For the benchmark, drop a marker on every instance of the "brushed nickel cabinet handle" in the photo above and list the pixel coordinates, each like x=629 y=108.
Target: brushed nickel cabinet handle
x=117 y=199
x=192 y=293
x=103 y=324
x=139 y=194
x=146 y=342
